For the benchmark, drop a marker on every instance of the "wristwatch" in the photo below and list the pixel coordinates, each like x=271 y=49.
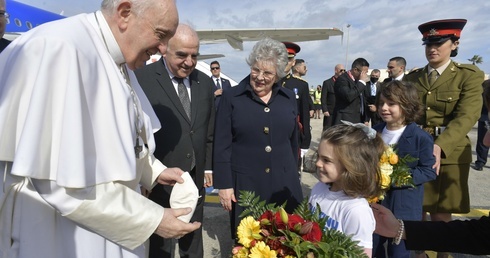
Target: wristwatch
x=487 y=125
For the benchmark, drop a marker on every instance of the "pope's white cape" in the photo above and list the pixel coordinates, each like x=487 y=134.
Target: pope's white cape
x=76 y=128
x=51 y=124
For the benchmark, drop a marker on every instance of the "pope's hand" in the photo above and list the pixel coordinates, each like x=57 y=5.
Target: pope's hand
x=172 y=227
x=170 y=176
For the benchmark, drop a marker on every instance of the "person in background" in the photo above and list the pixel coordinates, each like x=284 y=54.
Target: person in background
x=349 y=88
x=220 y=84
x=370 y=92
x=77 y=139
x=348 y=171
x=396 y=69
x=256 y=135
x=451 y=95
x=483 y=124
x=3 y=22
x=328 y=96
x=317 y=96
x=186 y=140
x=399 y=107
x=302 y=95
x=458 y=236
x=299 y=70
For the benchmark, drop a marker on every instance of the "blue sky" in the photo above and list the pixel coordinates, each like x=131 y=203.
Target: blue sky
x=380 y=29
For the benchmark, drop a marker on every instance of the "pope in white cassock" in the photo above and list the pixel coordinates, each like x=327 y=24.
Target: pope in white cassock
x=76 y=136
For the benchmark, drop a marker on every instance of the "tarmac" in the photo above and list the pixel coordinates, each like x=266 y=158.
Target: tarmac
x=216 y=224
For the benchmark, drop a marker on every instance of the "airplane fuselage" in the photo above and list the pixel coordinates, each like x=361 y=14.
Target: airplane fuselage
x=25 y=17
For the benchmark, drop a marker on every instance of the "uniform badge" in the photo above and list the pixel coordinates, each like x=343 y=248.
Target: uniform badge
x=296 y=93
x=433 y=32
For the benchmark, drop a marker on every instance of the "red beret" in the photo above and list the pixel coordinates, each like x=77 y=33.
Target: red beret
x=292 y=48
x=441 y=30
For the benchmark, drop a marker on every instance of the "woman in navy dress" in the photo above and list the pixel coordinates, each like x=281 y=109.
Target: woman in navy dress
x=256 y=135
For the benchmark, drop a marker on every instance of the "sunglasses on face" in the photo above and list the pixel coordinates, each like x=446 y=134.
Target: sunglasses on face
x=214 y=68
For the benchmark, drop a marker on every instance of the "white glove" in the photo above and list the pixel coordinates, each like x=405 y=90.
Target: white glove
x=303 y=152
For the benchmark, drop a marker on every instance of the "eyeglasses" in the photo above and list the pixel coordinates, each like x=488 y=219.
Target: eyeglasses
x=4 y=14
x=255 y=72
x=214 y=68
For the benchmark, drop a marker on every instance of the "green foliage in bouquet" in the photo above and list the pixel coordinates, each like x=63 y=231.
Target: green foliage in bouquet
x=268 y=231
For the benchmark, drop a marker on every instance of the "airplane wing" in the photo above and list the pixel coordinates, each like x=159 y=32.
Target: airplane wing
x=235 y=37
x=24 y=17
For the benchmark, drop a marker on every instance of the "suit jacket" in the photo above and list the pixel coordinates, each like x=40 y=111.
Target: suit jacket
x=328 y=95
x=453 y=101
x=370 y=100
x=406 y=202
x=468 y=236
x=300 y=89
x=180 y=137
x=256 y=146
x=484 y=110
x=4 y=43
x=389 y=79
x=225 y=85
x=348 y=100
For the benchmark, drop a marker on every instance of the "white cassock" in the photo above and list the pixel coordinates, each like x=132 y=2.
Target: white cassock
x=68 y=128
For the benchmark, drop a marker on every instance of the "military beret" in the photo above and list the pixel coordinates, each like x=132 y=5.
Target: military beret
x=439 y=31
x=292 y=48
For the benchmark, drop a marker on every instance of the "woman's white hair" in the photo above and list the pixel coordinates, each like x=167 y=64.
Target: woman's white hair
x=270 y=50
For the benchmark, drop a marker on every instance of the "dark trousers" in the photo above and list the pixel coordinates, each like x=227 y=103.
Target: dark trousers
x=327 y=122
x=481 y=150
x=190 y=245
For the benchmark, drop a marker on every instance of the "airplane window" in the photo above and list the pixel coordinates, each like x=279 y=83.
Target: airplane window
x=18 y=22
x=29 y=25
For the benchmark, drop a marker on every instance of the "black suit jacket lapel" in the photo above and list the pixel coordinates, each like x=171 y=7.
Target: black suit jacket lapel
x=167 y=85
x=195 y=92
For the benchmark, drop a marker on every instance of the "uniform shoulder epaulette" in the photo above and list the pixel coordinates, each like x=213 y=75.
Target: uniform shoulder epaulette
x=471 y=67
x=299 y=78
x=415 y=70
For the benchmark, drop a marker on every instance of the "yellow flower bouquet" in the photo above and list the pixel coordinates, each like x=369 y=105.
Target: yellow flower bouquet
x=267 y=230
x=394 y=171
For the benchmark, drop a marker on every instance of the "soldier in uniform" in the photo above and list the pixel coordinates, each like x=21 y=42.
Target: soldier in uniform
x=451 y=95
x=302 y=93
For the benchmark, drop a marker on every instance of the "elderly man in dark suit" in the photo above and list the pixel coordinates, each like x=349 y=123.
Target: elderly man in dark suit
x=183 y=100
x=349 y=89
x=220 y=84
x=328 y=96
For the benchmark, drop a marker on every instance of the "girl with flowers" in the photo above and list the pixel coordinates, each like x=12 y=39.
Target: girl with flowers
x=347 y=167
x=399 y=107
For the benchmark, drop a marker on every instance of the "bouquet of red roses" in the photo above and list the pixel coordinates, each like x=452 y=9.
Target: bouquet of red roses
x=269 y=231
